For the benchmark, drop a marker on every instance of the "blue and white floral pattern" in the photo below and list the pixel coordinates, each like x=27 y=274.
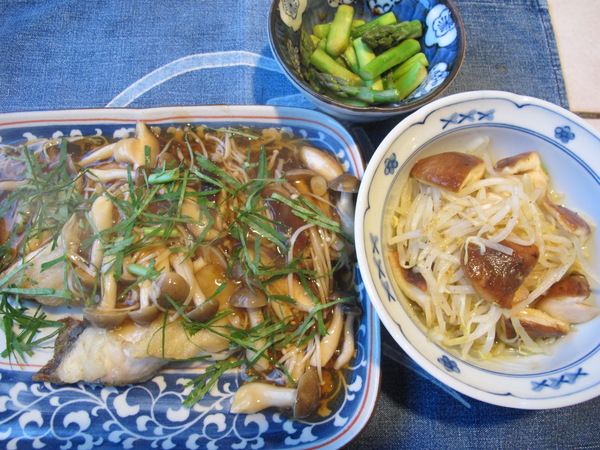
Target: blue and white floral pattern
x=449 y=364
x=441 y=29
x=564 y=134
x=436 y=76
x=150 y=415
x=391 y=164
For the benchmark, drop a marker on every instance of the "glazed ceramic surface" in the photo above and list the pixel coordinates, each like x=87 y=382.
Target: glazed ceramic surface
x=150 y=415
x=443 y=43
x=570 y=151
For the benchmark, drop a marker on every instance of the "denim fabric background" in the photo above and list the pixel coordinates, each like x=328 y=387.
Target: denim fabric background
x=59 y=54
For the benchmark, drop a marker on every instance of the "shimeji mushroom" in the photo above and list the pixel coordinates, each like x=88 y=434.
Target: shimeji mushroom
x=101 y=216
x=347 y=185
x=198 y=222
x=320 y=162
x=169 y=286
x=146 y=311
x=252 y=299
x=106 y=314
x=200 y=309
x=12 y=185
x=301 y=401
x=326 y=166
x=141 y=150
x=106 y=175
x=348 y=347
x=329 y=343
x=291 y=287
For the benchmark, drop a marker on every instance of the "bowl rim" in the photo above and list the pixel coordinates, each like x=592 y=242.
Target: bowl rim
x=419 y=117
x=402 y=108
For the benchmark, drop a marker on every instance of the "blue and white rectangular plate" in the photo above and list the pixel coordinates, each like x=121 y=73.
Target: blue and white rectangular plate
x=151 y=415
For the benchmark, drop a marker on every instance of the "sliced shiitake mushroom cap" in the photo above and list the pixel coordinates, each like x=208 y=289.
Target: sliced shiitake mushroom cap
x=538 y=324
x=523 y=162
x=449 y=170
x=496 y=276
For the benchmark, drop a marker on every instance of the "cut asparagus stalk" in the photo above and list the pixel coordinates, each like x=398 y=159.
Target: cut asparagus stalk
x=411 y=79
x=338 y=37
x=326 y=64
x=389 y=59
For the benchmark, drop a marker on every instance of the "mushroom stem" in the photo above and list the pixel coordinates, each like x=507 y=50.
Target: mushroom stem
x=198 y=222
x=320 y=162
x=329 y=343
x=11 y=185
x=256 y=317
x=292 y=287
x=183 y=267
x=101 y=215
x=141 y=150
x=146 y=311
x=253 y=397
x=348 y=346
x=107 y=174
x=303 y=401
x=106 y=315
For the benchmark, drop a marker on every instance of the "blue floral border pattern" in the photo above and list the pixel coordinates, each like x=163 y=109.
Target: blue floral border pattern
x=390 y=165
x=564 y=134
x=449 y=364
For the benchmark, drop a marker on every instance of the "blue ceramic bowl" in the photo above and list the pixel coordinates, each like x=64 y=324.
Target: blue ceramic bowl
x=443 y=43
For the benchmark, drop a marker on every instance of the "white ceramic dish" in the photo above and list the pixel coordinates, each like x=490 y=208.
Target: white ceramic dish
x=150 y=414
x=570 y=150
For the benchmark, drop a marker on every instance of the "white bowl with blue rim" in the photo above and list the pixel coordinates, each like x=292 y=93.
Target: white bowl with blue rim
x=443 y=43
x=570 y=151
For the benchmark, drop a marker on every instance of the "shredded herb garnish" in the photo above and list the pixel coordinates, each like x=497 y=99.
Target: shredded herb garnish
x=21 y=327
x=148 y=205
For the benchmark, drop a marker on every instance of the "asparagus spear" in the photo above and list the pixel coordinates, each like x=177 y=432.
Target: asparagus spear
x=402 y=68
x=321 y=30
x=390 y=58
x=384 y=37
x=307 y=47
x=349 y=55
x=385 y=19
x=361 y=93
x=338 y=37
x=411 y=79
x=364 y=55
x=326 y=64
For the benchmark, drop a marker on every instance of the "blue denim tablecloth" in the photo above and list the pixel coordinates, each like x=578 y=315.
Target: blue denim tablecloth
x=57 y=54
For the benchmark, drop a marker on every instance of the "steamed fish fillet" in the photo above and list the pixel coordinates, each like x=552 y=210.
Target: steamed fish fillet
x=124 y=355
